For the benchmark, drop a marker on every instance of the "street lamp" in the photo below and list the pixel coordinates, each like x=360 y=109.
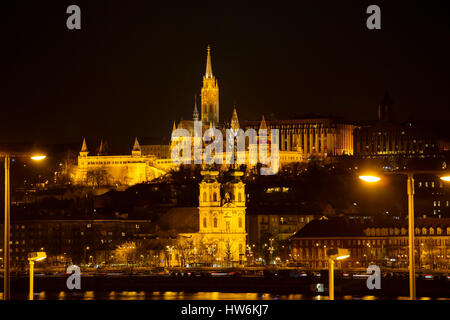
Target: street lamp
x=410 y=190
x=334 y=254
x=7 y=224
x=32 y=257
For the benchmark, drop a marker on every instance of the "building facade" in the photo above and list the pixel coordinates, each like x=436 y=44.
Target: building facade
x=311 y=137
x=221 y=219
x=68 y=241
x=383 y=244
x=118 y=170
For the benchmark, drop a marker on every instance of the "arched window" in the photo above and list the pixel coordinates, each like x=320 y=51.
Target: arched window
x=215 y=222
x=240 y=222
x=204 y=196
x=215 y=196
x=204 y=223
x=239 y=197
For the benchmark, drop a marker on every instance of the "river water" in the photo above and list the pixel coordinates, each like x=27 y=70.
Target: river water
x=170 y=295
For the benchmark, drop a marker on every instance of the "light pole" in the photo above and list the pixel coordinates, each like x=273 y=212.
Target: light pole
x=334 y=254
x=410 y=190
x=32 y=257
x=7 y=224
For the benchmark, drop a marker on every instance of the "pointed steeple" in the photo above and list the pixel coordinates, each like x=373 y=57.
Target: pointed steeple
x=174 y=126
x=136 y=151
x=263 y=124
x=84 y=146
x=136 y=146
x=195 y=115
x=234 y=120
x=101 y=148
x=208 y=73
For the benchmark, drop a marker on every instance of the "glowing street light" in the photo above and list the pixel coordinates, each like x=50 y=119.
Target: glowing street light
x=38 y=157
x=7 y=224
x=410 y=190
x=34 y=257
x=334 y=254
x=370 y=179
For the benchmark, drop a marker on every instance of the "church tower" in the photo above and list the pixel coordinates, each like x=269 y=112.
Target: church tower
x=136 y=151
x=222 y=221
x=209 y=95
x=81 y=174
x=195 y=115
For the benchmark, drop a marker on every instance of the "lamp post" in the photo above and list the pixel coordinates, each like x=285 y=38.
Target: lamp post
x=32 y=257
x=410 y=190
x=334 y=254
x=7 y=224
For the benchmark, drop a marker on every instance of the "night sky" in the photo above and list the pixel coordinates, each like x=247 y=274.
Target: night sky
x=135 y=66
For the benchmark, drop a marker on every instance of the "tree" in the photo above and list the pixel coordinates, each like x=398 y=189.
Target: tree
x=98 y=177
x=68 y=167
x=125 y=252
x=229 y=252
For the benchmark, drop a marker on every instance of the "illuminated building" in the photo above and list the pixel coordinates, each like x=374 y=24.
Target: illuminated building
x=384 y=243
x=317 y=137
x=221 y=219
x=387 y=138
x=131 y=169
x=69 y=241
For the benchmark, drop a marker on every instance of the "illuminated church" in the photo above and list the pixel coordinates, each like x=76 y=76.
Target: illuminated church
x=222 y=230
x=299 y=140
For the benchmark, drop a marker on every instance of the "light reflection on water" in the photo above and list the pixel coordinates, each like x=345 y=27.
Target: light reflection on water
x=181 y=295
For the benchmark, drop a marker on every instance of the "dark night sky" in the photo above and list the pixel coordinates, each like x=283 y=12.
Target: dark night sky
x=135 y=66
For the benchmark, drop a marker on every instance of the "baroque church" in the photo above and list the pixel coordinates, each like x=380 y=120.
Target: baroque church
x=222 y=232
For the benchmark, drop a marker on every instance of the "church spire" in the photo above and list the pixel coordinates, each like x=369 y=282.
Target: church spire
x=101 y=148
x=136 y=146
x=174 y=126
x=136 y=151
x=208 y=73
x=84 y=146
x=263 y=124
x=234 y=120
x=195 y=115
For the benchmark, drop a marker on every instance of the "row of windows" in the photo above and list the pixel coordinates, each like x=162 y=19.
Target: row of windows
x=430 y=184
x=112 y=162
x=205 y=223
x=213 y=197
x=438 y=203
